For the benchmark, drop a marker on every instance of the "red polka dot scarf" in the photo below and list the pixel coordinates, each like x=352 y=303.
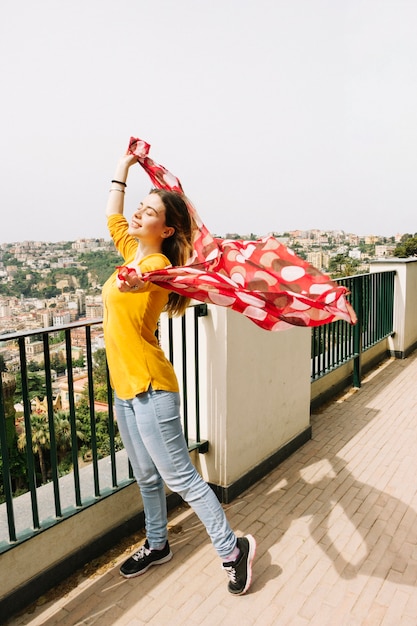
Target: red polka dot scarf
x=263 y=279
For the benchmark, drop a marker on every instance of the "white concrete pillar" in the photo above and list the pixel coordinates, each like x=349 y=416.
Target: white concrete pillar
x=256 y=393
x=404 y=339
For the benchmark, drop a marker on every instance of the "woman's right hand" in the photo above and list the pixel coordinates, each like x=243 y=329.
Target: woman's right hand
x=127 y=160
x=123 y=165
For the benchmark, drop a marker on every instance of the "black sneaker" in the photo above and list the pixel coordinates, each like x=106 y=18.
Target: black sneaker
x=142 y=560
x=240 y=571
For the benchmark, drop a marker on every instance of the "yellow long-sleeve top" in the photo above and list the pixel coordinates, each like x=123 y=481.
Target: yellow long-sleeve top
x=130 y=319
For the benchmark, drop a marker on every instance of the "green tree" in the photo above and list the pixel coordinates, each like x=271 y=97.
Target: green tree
x=406 y=236
x=101 y=428
x=63 y=433
x=51 y=291
x=100 y=375
x=342 y=265
x=9 y=259
x=39 y=439
x=18 y=472
x=36 y=385
x=57 y=337
x=21 y=284
x=299 y=250
x=58 y=362
x=101 y=263
x=100 y=366
x=33 y=366
x=78 y=362
x=367 y=249
x=406 y=248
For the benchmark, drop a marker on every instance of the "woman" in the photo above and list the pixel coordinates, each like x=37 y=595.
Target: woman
x=145 y=386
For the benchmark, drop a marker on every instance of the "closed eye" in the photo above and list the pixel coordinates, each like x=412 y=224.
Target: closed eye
x=149 y=210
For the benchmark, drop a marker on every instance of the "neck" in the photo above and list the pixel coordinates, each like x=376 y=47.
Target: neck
x=144 y=249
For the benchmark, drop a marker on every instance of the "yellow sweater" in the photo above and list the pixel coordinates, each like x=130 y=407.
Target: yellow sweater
x=134 y=356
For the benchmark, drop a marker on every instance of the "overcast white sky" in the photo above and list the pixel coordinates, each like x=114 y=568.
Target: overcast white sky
x=275 y=114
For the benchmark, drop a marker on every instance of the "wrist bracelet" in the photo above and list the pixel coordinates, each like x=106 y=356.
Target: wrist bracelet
x=115 y=189
x=119 y=182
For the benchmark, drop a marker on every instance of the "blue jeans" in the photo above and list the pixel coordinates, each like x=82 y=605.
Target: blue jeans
x=150 y=427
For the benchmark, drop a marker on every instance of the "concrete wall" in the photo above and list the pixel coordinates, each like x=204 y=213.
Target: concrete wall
x=52 y=546
x=404 y=340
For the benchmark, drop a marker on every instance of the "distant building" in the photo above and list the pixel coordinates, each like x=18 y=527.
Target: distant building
x=44 y=316
x=33 y=348
x=79 y=384
x=60 y=318
x=93 y=311
x=87 y=244
x=93 y=307
x=353 y=240
x=318 y=259
x=5 y=310
x=384 y=250
x=355 y=254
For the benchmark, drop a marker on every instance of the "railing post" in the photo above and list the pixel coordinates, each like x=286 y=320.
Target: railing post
x=112 y=432
x=90 y=385
x=51 y=423
x=201 y=310
x=357 y=330
x=72 y=417
x=7 y=482
x=28 y=431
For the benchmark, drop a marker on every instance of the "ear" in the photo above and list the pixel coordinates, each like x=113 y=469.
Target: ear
x=168 y=232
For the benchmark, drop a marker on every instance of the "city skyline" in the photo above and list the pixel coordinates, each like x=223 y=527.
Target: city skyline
x=274 y=115
x=396 y=236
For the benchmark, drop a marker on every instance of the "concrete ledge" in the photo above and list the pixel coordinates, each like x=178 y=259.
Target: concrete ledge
x=331 y=384
x=229 y=493
x=403 y=354
x=31 y=589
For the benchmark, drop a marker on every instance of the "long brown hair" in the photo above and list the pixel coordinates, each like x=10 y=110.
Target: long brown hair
x=179 y=246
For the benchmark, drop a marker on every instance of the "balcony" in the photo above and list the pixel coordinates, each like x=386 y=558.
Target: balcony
x=310 y=487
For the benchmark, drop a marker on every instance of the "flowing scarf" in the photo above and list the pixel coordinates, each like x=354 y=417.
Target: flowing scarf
x=263 y=279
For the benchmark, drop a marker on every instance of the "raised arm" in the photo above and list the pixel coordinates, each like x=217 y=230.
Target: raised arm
x=115 y=203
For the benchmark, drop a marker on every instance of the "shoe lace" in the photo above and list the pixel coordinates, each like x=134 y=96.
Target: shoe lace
x=231 y=572
x=141 y=553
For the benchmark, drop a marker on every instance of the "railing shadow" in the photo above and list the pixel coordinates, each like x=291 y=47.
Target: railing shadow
x=318 y=482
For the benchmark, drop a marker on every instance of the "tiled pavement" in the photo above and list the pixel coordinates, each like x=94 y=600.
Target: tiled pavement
x=336 y=526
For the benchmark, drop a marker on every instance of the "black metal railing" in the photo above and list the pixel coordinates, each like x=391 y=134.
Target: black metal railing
x=332 y=345
x=45 y=502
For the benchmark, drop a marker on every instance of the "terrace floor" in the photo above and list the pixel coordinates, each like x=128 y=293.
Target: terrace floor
x=336 y=526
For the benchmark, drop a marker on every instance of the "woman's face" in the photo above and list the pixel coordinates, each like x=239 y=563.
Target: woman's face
x=148 y=221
